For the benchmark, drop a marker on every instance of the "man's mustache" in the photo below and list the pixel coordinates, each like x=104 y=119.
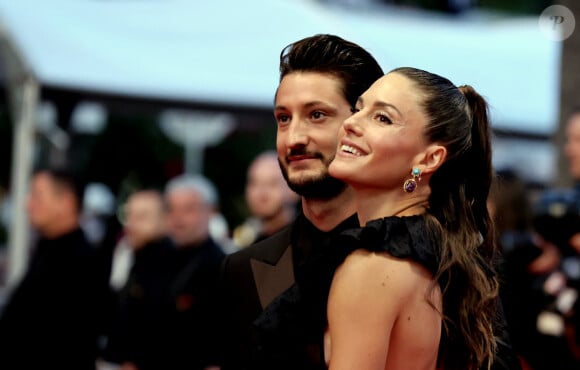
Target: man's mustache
x=303 y=152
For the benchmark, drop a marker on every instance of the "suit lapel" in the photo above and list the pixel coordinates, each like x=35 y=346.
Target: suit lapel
x=273 y=279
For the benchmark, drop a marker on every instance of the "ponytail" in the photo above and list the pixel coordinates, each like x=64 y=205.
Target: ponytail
x=458 y=217
x=478 y=159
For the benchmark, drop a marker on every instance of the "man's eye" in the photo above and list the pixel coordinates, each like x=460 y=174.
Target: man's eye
x=354 y=110
x=317 y=115
x=282 y=118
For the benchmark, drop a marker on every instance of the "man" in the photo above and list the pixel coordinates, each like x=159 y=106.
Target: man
x=321 y=78
x=191 y=203
x=557 y=220
x=563 y=227
x=572 y=147
x=50 y=320
x=272 y=204
x=572 y=152
x=264 y=285
x=139 y=336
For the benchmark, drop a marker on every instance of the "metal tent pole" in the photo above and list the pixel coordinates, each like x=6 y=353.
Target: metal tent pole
x=22 y=164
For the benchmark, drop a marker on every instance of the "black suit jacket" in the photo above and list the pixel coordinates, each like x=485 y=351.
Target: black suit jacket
x=140 y=328
x=50 y=320
x=253 y=277
x=250 y=280
x=192 y=295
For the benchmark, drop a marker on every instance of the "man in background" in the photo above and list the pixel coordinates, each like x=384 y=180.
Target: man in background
x=50 y=320
x=271 y=203
x=192 y=201
x=139 y=331
x=572 y=152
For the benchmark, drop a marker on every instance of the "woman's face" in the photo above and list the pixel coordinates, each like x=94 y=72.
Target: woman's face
x=381 y=142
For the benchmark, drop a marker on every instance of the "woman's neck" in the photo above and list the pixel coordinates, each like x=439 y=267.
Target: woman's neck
x=371 y=205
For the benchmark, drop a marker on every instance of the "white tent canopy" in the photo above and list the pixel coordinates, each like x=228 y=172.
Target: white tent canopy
x=215 y=51
x=509 y=61
x=226 y=52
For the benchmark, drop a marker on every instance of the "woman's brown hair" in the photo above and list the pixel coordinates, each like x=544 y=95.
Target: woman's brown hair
x=459 y=218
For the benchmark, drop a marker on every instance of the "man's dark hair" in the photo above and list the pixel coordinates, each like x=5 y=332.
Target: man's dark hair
x=67 y=180
x=353 y=65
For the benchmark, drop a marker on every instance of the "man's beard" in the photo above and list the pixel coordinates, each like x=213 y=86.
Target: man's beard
x=322 y=187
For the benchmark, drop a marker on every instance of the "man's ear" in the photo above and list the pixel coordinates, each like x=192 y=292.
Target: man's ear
x=433 y=158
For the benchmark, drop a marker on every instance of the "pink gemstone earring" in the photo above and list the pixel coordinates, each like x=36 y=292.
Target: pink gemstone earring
x=411 y=184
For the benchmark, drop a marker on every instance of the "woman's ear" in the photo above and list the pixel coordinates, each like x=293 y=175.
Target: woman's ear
x=433 y=158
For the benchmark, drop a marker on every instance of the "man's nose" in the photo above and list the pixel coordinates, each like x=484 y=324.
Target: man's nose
x=297 y=133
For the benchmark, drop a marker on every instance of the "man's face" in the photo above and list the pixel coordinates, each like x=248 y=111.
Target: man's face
x=145 y=219
x=309 y=109
x=46 y=202
x=572 y=148
x=188 y=217
x=267 y=194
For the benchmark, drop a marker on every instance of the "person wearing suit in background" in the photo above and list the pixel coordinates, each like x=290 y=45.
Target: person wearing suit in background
x=191 y=202
x=271 y=203
x=50 y=320
x=139 y=329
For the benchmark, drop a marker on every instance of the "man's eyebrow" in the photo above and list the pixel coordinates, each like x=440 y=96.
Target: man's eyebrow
x=307 y=105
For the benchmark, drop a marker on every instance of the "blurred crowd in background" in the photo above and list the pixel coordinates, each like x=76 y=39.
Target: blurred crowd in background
x=539 y=232
x=134 y=285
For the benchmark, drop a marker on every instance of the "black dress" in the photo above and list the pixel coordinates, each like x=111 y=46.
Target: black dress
x=291 y=329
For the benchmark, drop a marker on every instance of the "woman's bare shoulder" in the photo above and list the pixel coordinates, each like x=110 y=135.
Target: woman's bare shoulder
x=369 y=292
x=379 y=270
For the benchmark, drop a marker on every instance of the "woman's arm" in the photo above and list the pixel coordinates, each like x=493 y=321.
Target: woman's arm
x=367 y=294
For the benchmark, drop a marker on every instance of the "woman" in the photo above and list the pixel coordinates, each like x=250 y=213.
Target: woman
x=418 y=289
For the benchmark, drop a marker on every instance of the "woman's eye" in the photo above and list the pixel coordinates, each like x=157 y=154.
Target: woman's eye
x=354 y=110
x=383 y=118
